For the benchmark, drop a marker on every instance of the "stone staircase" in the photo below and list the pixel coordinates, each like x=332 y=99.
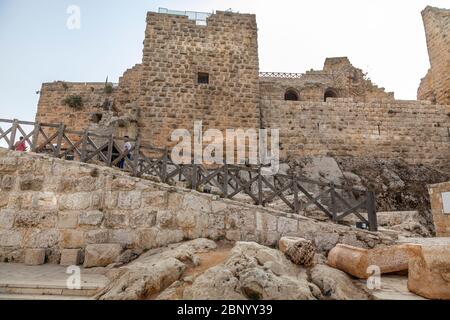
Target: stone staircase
x=45 y=282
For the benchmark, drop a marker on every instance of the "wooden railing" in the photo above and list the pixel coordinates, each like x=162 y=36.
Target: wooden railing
x=227 y=180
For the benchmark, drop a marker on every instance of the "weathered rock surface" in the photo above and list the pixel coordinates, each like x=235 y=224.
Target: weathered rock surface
x=429 y=271
x=101 y=255
x=337 y=285
x=154 y=271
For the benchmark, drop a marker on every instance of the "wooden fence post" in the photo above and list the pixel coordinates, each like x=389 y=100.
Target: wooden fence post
x=260 y=192
x=61 y=130
x=164 y=165
x=37 y=128
x=137 y=148
x=371 y=211
x=225 y=180
x=84 y=146
x=295 y=191
x=333 y=201
x=12 y=139
x=194 y=176
x=110 y=149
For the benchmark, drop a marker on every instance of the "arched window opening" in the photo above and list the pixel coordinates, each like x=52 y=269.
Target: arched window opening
x=330 y=93
x=291 y=95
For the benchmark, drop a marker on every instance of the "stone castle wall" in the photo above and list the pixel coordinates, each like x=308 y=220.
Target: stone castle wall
x=52 y=109
x=54 y=204
x=417 y=132
x=338 y=76
x=162 y=94
x=437 y=31
x=175 y=51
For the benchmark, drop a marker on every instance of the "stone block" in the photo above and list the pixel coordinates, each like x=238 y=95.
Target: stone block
x=70 y=257
x=91 y=218
x=34 y=257
x=146 y=238
x=356 y=261
x=129 y=200
x=101 y=255
x=31 y=183
x=122 y=236
x=97 y=236
x=7 y=182
x=10 y=238
x=67 y=220
x=75 y=201
x=72 y=239
x=429 y=272
x=45 y=201
x=37 y=238
x=287 y=225
x=7 y=219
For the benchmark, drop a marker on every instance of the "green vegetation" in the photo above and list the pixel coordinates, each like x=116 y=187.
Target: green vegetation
x=75 y=102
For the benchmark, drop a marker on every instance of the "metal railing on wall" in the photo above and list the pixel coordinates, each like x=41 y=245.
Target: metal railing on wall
x=283 y=75
x=198 y=17
x=229 y=180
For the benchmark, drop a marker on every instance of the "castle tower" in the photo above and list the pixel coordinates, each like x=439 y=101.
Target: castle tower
x=436 y=85
x=195 y=72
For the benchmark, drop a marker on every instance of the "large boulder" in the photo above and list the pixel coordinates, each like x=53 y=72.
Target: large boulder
x=336 y=285
x=429 y=272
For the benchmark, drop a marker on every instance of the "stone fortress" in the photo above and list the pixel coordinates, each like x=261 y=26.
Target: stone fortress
x=210 y=72
x=142 y=239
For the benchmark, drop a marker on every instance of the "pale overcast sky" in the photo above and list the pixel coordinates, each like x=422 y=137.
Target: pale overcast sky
x=384 y=37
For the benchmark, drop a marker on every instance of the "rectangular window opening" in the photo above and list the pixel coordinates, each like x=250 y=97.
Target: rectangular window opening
x=203 y=78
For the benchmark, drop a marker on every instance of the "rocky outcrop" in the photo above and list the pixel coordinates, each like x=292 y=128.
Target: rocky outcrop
x=256 y=272
x=154 y=271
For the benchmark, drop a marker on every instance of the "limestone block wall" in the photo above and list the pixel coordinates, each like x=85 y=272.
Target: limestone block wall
x=127 y=92
x=417 y=132
x=57 y=204
x=51 y=108
x=175 y=51
x=437 y=31
x=441 y=213
x=426 y=91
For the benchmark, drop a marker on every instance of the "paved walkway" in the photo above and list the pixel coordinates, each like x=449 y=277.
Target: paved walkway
x=47 y=280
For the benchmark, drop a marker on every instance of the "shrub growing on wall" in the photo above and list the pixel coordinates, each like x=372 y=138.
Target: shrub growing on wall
x=75 y=102
x=108 y=88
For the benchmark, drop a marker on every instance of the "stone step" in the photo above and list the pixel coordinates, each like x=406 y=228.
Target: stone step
x=27 y=290
x=40 y=297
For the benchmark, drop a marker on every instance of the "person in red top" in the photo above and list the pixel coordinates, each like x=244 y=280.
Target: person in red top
x=20 y=145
